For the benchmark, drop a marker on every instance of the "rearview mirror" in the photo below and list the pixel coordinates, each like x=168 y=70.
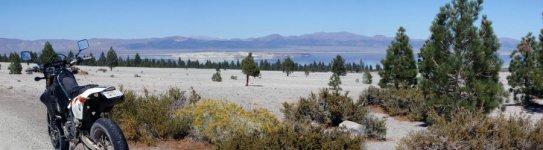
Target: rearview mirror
x=83 y=44
x=26 y=56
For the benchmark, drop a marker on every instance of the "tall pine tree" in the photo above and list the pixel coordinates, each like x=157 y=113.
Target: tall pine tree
x=525 y=78
x=112 y=60
x=400 y=69
x=48 y=54
x=338 y=66
x=101 y=60
x=452 y=58
x=249 y=67
x=288 y=66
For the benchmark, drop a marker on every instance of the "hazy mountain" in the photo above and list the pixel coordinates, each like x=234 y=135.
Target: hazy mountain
x=320 y=41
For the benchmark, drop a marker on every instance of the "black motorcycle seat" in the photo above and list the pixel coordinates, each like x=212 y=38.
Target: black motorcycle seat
x=80 y=89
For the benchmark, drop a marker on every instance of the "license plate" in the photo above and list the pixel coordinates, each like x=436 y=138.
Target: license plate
x=112 y=94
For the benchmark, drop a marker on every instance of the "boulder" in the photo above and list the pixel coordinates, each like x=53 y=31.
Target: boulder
x=352 y=127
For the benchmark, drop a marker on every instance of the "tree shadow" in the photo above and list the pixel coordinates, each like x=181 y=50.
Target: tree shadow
x=423 y=124
x=533 y=108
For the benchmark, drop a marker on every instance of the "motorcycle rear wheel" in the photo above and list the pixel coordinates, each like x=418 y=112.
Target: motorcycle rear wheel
x=107 y=135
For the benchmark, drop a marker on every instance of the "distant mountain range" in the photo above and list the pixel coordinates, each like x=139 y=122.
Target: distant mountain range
x=315 y=42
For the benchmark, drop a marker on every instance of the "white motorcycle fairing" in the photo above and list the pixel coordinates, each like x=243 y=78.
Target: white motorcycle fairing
x=77 y=104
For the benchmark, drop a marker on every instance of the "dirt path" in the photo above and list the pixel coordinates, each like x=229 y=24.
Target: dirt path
x=22 y=124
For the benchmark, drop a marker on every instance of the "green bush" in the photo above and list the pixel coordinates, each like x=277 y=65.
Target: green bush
x=330 y=109
x=213 y=120
x=474 y=130
x=15 y=65
x=217 y=76
x=407 y=102
x=294 y=135
x=375 y=128
x=148 y=118
x=367 y=78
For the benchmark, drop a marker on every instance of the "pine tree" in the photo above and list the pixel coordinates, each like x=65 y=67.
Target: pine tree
x=15 y=66
x=48 y=54
x=249 y=67
x=71 y=55
x=101 y=60
x=288 y=66
x=452 y=58
x=525 y=78
x=112 y=60
x=400 y=69
x=137 y=60
x=367 y=78
x=334 y=83
x=338 y=66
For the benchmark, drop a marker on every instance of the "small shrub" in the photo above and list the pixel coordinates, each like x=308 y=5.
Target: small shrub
x=372 y=96
x=234 y=77
x=474 y=130
x=407 y=102
x=194 y=96
x=137 y=76
x=213 y=120
x=149 y=118
x=375 y=128
x=15 y=65
x=74 y=70
x=294 y=135
x=357 y=80
x=82 y=72
x=113 y=76
x=326 y=108
x=331 y=108
x=216 y=77
x=102 y=70
x=367 y=78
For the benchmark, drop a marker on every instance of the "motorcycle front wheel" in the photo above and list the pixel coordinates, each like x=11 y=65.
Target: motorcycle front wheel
x=56 y=133
x=107 y=135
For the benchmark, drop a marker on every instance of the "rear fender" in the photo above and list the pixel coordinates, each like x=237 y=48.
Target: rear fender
x=78 y=103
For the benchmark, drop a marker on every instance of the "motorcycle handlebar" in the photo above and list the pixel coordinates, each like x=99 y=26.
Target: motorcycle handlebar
x=38 y=78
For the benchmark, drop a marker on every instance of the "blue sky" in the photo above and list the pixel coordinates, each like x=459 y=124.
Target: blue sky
x=39 y=19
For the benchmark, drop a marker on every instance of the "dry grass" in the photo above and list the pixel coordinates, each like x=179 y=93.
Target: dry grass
x=475 y=130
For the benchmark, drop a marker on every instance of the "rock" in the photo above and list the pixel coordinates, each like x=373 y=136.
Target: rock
x=352 y=127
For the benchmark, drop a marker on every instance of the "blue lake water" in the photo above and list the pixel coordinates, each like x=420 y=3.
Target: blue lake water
x=357 y=57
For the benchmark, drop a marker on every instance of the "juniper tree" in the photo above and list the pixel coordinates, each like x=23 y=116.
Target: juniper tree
x=15 y=66
x=451 y=60
x=48 y=53
x=367 y=78
x=338 y=66
x=249 y=67
x=288 y=66
x=525 y=78
x=400 y=69
x=112 y=60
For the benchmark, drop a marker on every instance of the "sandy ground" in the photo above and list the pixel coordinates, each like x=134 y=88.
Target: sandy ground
x=23 y=124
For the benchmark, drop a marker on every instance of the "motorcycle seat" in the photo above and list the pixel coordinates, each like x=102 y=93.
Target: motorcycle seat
x=80 y=89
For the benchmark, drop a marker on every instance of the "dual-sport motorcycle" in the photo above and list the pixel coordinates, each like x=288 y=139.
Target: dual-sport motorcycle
x=77 y=114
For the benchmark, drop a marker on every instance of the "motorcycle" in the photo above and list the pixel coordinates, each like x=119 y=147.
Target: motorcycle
x=77 y=114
